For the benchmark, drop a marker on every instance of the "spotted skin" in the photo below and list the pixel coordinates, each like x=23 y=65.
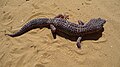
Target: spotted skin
x=60 y=23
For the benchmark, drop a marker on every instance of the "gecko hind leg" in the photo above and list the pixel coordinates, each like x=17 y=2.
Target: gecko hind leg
x=62 y=16
x=79 y=42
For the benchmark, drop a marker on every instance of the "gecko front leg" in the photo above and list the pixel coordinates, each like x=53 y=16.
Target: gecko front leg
x=53 y=30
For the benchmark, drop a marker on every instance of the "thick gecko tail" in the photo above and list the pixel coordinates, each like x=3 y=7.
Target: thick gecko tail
x=36 y=23
x=23 y=30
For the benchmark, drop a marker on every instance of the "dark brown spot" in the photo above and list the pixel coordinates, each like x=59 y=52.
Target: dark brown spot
x=78 y=9
x=27 y=0
x=18 y=5
x=69 y=10
x=3 y=11
x=39 y=65
x=82 y=3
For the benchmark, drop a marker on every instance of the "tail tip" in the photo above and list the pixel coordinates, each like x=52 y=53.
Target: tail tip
x=9 y=35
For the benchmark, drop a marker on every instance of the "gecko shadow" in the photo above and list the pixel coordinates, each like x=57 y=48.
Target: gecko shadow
x=92 y=36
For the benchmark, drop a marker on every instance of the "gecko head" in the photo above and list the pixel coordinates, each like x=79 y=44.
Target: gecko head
x=96 y=23
x=100 y=22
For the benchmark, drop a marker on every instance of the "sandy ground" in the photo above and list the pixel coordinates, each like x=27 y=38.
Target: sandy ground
x=37 y=48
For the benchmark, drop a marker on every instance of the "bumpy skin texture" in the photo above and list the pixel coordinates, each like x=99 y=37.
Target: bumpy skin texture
x=64 y=26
